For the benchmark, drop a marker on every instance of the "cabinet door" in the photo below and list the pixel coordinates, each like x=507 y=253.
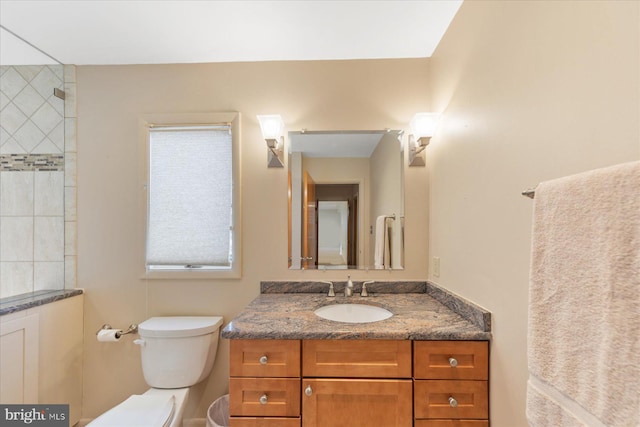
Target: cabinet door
x=356 y=403
x=451 y=360
x=451 y=399
x=19 y=360
x=265 y=358
x=264 y=397
x=356 y=358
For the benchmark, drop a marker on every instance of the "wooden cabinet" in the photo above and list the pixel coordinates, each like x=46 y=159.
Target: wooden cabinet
x=356 y=358
x=278 y=397
x=358 y=383
x=450 y=399
x=264 y=388
x=265 y=358
x=451 y=360
x=329 y=402
x=451 y=383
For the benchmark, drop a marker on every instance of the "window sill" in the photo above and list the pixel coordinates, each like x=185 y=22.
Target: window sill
x=192 y=274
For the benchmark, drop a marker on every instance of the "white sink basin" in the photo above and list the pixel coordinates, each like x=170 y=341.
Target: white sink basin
x=353 y=313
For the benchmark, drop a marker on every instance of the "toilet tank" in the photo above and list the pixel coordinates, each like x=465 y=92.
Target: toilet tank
x=178 y=351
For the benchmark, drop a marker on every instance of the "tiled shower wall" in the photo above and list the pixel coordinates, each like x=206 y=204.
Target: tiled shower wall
x=37 y=179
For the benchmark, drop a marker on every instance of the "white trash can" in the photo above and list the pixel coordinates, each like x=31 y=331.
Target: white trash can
x=218 y=412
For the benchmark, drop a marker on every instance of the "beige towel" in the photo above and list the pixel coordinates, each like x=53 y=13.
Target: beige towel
x=542 y=409
x=584 y=297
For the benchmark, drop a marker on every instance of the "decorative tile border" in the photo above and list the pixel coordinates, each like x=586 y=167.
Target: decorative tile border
x=31 y=162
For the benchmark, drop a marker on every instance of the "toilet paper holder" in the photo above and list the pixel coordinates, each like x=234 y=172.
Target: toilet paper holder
x=132 y=329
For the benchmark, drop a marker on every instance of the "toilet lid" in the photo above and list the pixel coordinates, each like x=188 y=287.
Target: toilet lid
x=179 y=326
x=139 y=411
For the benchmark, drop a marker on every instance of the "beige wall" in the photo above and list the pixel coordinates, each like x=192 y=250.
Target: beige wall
x=60 y=354
x=530 y=91
x=312 y=95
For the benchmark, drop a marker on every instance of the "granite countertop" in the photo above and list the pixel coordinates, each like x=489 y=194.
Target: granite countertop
x=35 y=299
x=421 y=311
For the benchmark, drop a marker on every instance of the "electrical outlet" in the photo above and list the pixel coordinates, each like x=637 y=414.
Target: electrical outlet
x=436 y=266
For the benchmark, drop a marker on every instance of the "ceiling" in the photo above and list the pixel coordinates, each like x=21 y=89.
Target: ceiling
x=86 y=32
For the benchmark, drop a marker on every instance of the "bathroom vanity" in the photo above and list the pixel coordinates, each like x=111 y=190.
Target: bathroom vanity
x=426 y=366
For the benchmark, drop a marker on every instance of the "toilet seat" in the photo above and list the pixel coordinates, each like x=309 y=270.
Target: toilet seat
x=146 y=410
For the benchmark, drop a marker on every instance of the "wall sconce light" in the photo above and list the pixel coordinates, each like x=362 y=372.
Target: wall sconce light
x=272 y=126
x=423 y=126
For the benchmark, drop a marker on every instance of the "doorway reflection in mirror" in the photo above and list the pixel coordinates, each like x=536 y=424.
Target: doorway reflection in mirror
x=340 y=182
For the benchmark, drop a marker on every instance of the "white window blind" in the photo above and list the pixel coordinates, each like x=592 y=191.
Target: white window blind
x=190 y=210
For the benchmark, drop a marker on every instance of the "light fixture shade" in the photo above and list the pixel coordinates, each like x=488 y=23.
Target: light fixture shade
x=423 y=125
x=271 y=126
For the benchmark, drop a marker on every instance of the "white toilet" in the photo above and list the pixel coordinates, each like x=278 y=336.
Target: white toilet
x=177 y=352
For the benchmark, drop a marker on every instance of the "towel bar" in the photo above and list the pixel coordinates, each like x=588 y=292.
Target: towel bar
x=529 y=193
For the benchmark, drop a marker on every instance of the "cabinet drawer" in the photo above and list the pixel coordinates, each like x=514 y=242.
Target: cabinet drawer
x=356 y=358
x=276 y=397
x=460 y=360
x=265 y=358
x=449 y=423
x=263 y=422
x=432 y=399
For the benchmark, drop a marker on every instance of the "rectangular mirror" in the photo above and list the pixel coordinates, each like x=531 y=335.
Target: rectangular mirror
x=346 y=200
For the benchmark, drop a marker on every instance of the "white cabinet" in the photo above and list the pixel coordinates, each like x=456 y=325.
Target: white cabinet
x=41 y=355
x=19 y=359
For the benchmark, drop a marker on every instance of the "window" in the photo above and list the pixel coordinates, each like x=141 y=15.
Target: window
x=192 y=201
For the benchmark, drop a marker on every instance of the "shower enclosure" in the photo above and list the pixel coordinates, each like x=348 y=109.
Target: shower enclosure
x=37 y=170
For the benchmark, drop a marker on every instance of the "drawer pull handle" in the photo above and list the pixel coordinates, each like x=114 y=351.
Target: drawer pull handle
x=452 y=402
x=264 y=360
x=308 y=391
x=264 y=399
x=453 y=362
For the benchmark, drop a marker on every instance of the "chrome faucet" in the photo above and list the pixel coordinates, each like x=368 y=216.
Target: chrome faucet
x=364 y=292
x=348 y=289
x=331 y=293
